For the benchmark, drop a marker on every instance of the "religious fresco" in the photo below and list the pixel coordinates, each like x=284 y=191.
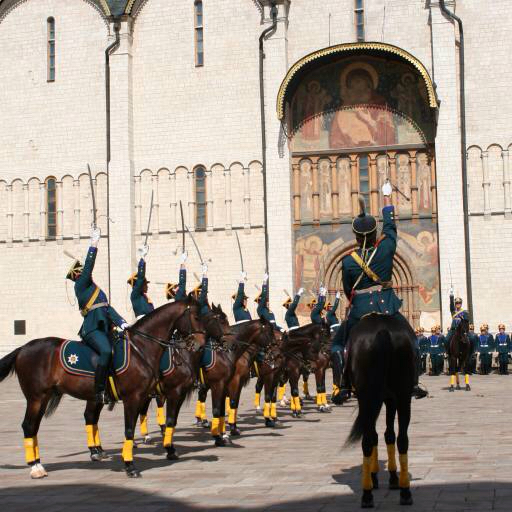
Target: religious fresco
x=360 y=102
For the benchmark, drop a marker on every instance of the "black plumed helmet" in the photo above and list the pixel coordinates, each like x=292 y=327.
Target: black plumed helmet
x=363 y=224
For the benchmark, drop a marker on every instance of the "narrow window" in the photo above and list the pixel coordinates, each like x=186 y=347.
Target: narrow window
x=51 y=209
x=51 y=49
x=20 y=327
x=359 y=19
x=200 y=178
x=364 y=182
x=198 y=29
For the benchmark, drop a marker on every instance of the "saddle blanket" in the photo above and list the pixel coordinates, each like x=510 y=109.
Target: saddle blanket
x=78 y=358
x=168 y=363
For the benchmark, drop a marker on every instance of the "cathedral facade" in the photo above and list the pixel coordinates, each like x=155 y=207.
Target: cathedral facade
x=258 y=119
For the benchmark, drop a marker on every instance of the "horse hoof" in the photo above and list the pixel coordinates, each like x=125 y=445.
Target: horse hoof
x=367 y=499
x=162 y=429
x=451 y=389
x=468 y=387
x=270 y=423
x=234 y=432
x=375 y=480
x=405 y=497
x=147 y=440
x=219 y=442
x=458 y=387
x=171 y=453
x=131 y=472
x=258 y=409
x=307 y=397
x=205 y=424
x=393 y=481
x=96 y=457
x=227 y=438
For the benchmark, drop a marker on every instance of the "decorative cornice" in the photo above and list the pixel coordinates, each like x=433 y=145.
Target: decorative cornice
x=350 y=47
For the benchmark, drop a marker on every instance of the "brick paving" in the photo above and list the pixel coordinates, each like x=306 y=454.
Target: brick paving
x=460 y=459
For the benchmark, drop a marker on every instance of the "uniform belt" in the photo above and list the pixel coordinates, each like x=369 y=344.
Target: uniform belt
x=95 y=306
x=375 y=288
x=293 y=328
x=335 y=325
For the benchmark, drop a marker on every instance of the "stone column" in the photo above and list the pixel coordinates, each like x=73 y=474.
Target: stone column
x=414 y=184
x=191 y=201
x=173 y=205
x=209 y=202
x=392 y=177
x=506 y=183
x=60 y=213
x=26 y=215
x=155 y=219
x=374 y=184
x=433 y=187
x=486 y=184
x=247 y=198
x=228 y=199
x=42 y=214
x=316 y=190
x=335 y=191
x=76 y=211
x=354 y=180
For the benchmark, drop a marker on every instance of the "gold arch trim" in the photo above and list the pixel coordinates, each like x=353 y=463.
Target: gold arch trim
x=106 y=8
x=129 y=6
x=348 y=47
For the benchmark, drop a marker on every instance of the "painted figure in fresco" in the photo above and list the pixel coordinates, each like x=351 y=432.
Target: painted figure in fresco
x=315 y=101
x=423 y=183
x=365 y=126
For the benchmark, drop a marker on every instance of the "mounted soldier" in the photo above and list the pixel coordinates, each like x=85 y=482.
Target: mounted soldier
x=290 y=305
x=141 y=303
x=263 y=309
x=178 y=291
x=318 y=307
x=458 y=314
x=240 y=311
x=367 y=274
x=503 y=347
x=331 y=318
x=99 y=316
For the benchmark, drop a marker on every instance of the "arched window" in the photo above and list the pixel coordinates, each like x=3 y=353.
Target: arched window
x=359 y=20
x=200 y=182
x=198 y=29
x=51 y=208
x=51 y=49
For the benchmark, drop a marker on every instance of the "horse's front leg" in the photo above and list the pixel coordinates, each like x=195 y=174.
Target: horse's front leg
x=294 y=374
x=91 y=415
x=218 y=425
x=146 y=438
x=132 y=405
x=175 y=400
x=390 y=438
x=404 y=418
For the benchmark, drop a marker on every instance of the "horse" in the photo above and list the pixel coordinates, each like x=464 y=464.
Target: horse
x=319 y=363
x=381 y=368
x=460 y=351
x=44 y=381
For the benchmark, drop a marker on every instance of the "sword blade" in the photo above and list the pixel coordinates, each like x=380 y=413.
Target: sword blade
x=240 y=251
x=195 y=245
x=149 y=219
x=182 y=228
x=94 y=211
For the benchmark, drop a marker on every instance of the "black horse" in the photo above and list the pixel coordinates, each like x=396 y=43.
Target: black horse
x=381 y=366
x=460 y=351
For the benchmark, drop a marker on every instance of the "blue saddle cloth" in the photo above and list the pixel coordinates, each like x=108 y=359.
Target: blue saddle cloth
x=208 y=357
x=167 y=363
x=78 y=358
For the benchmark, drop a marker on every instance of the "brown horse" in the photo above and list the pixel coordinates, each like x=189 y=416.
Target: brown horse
x=44 y=381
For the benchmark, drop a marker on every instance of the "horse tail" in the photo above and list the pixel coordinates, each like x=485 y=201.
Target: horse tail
x=371 y=396
x=7 y=364
x=53 y=404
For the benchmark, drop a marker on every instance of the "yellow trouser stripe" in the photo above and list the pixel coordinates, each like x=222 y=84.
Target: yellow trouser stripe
x=169 y=431
x=391 y=457
x=127 y=453
x=201 y=375
x=113 y=387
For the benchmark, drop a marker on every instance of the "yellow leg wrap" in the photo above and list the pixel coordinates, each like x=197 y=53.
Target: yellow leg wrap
x=281 y=390
x=292 y=403
x=222 y=425
x=30 y=452
x=256 y=400
x=228 y=408
x=144 y=425
x=466 y=379
x=273 y=410
x=366 y=476
x=324 y=398
x=127 y=453
x=96 y=432
x=305 y=387
x=298 y=407
x=374 y=468
x=160 y=416
x=198 y=410
x=232 y=416
x=319 y=399
x=36 y=448
x=266 y=410
x=90 y=435
x=452 y=380
x=335 y=389
x=215 y=427
x=404 y=471
x=169 y=432
x=203 y=411
x=391 y=457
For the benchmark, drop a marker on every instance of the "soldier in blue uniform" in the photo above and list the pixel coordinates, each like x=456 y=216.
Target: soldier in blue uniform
x=240 y=311
x=178 y=291
x=458 y=314
x=485 y=349
x=263 y=310
x=503 y=346
x=290 y=316
x=99 y=316
x=423 y=344
x=367 y=272
x=330 y=317
x=318 y=307
x=473 y=338
x=201 y=291
x=436 y=350
x=141 y=303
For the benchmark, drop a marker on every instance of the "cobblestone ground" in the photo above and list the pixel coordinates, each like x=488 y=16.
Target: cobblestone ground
x=460 y=459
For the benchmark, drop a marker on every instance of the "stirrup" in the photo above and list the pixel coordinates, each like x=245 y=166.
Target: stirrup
x=102 y=398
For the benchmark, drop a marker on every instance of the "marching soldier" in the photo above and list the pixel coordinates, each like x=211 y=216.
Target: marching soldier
x=240 y=311
x=503 y=346
x=318 y=307
x=331 y=317
x=473 y=339
x=99 y=316
x=423 y=344
x=141 y=303
x=485 y=348
x=290 y=316
x=367 y=274
x=178 y=291
x=436 y=350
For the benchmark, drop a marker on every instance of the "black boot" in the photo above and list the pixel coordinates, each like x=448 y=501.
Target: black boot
x=345 y=389
x=100 y=379
x=417 y=392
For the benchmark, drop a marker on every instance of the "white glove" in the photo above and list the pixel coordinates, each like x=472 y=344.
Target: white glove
x=300 y=292
x=184 y=257
x=204 y=269
x=243 y=276
x=323 y=291
x=387 y=189
x=338 y=295
x=142 y=251
x=451 y=290
x=125 y=326
x=265 y=278
x=95 y=236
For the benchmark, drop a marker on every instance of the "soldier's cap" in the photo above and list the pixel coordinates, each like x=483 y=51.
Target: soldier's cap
x=458 y=300
x=501 y=326
x=196 y=290
x=433 y=328
x=133 y=279
x=471 y=327
x=74 y=271
x=170 y=290
x=363 y=224
x=312 y=303
x=421 y=329
x=484 y=327
x=328 y=305
x=287 y=302
x=234 y=296
x=257 y=298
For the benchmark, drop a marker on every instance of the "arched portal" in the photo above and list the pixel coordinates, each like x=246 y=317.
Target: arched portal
x=355 y=115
